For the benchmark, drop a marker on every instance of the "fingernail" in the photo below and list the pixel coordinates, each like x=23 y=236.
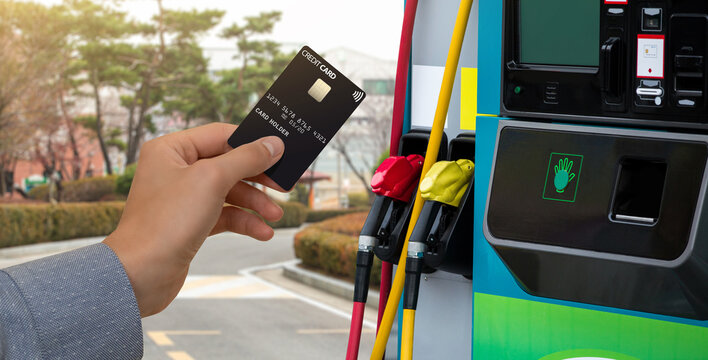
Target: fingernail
x=273 y=144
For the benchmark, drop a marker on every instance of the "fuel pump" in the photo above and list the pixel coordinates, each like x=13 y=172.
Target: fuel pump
x=592 y=170
x=394 y=182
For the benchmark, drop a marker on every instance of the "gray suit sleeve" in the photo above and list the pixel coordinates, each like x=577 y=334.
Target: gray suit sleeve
x=75 y=305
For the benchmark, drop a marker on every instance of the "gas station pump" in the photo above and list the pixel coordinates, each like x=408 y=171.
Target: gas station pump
x=589 y=237
x=588 y=229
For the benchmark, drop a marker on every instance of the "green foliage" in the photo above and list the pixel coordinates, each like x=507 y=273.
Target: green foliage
x=358 y=200
x=294 y=215
x=331 y=246
x=82 y=190
x=384 y=155
x=300 y=194
x=261 y=62
x=320 y=215
x=29 y=224
x=125 y=180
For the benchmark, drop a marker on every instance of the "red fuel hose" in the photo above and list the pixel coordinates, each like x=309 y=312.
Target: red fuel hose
x=399 y=104
x=355 y=330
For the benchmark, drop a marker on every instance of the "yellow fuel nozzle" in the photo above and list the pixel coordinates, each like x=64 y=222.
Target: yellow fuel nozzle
x=447 y=181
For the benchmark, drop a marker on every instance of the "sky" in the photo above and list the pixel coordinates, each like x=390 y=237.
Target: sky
x=369 y=26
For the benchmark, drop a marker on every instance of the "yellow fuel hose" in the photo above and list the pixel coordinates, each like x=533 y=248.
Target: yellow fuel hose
x=407 y=333
x=431 y=155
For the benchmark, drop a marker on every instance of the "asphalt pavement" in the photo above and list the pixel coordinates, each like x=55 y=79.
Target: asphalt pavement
x=236 y=304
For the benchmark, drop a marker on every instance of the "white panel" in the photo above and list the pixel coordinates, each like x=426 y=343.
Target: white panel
x=426 y=81
x=650 y=56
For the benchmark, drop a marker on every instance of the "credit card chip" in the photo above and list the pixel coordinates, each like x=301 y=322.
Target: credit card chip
x=319 y=90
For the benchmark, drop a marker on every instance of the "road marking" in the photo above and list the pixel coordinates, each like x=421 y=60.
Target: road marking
x=330 y=331
x=161 y=339
x=248 y=272
x=228 y=287
x=179 y=355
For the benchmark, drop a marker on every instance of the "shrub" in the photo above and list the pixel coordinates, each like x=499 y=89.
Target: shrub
x=331 y=246
x=358 y=200
x=124 y=181
x=319 y=215
x=294 y=215
x=82 y=190
x=29 y=224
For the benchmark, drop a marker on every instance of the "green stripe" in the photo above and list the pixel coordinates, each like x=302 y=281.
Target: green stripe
x=508 y=328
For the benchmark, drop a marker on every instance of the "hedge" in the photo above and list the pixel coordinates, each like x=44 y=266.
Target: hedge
x=331 y=246
x=358 y=200
x=319 y=215
x=87 y=189
x=29 y=224
x=294 y=215
x=125 y=180
x=34 y=223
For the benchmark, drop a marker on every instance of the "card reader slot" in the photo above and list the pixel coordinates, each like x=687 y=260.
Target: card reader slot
x=638 y=191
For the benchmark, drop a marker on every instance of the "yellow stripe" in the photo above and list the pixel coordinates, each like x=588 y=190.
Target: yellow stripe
x=329 y=331
x=208 y=280
x=179 y=355
x=468 y=98
x=160 y=338
x=240 y=291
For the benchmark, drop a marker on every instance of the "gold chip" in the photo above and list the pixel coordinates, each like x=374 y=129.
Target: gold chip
x=319 y=90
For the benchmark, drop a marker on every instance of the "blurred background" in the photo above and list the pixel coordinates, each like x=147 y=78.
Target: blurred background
x=84 y=83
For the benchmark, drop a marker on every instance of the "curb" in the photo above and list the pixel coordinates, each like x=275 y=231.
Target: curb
x=48 y=247
x=327 y=284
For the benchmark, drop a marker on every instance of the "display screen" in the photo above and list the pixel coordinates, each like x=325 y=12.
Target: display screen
x=559 y=32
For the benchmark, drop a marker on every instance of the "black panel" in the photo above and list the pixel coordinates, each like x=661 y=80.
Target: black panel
x=608 y=93
x=622 y=195
x=522 y=207
x=449 y=242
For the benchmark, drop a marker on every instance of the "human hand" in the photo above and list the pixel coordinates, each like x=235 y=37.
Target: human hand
x=177 y=199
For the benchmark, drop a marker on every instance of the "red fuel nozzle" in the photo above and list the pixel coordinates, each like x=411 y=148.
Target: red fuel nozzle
x=397 y=177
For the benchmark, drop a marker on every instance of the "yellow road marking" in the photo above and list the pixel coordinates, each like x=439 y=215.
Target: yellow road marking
x=193 y=283
x=161 y=339
x=243 y=291
x=179 y=355
x=330 y=331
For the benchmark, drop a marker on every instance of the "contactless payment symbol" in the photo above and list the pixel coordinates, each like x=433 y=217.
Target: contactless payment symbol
x=562 y=177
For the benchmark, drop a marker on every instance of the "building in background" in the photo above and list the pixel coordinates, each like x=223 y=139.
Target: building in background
x=352 y=155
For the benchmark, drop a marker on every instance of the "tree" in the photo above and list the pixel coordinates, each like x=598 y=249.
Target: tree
x=261 y=63
x=30 y=36
x=170 y=71
x=99 y=31
x=368 y=134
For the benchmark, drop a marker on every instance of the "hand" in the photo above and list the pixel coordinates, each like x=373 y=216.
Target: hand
x=177 y=199
x=563 y=174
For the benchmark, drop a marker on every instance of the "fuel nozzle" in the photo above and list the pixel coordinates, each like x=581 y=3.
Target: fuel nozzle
x=442 y=188
x=394 y=182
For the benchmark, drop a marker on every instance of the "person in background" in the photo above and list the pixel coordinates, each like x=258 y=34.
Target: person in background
x=87 y=303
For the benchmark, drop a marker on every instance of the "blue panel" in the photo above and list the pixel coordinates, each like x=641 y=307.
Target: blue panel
x=489 y=57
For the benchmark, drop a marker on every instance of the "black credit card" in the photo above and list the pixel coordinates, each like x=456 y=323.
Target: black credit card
x=305 y=107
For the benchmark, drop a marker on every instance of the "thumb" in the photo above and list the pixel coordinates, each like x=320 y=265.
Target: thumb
x=247 y=160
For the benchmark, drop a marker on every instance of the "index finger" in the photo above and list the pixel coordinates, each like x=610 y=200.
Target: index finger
x=203 y=141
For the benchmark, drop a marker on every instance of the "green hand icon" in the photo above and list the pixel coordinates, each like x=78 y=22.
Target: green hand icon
x=563 y=174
